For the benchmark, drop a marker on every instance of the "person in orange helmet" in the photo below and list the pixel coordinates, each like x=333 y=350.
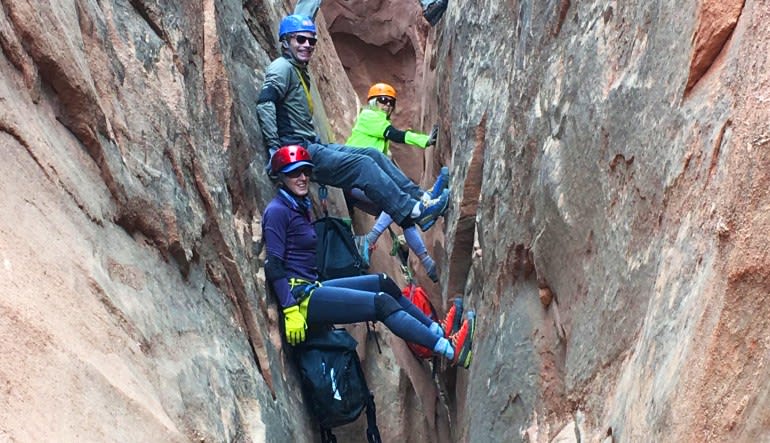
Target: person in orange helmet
x=374 y=130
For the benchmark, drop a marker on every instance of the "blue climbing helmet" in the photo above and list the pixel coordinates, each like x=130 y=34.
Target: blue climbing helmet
x=295 y=23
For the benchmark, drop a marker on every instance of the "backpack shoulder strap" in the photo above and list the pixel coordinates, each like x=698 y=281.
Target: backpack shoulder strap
x=372 y=432
x=327 y=436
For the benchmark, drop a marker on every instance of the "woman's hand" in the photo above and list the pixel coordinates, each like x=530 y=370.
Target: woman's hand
x=295 y=325
x=433 y=137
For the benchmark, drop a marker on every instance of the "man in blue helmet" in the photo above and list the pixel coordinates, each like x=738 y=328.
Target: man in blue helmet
x=285 y=112
x=432 y=10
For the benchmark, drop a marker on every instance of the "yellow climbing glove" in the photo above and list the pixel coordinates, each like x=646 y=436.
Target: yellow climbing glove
x=295 y=325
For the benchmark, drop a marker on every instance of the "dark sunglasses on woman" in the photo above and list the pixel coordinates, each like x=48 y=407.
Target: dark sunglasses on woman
x=386 y=101
x=296 y=173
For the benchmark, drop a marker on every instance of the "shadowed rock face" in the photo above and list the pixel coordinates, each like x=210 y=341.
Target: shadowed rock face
x=623 y=155
x=610 y=170
x=133 y=308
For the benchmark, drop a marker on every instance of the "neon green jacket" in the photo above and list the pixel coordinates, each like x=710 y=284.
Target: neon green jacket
x=369 y=132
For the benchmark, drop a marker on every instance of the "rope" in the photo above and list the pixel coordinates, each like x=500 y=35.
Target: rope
x=307 y=90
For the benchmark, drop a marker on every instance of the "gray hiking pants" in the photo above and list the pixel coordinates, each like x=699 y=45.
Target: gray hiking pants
x=369 y=170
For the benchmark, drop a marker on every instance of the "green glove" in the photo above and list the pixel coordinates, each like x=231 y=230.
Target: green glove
x=416 y=139
x=295 y=325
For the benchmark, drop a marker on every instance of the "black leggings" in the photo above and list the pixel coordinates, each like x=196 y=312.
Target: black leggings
x=373 y=297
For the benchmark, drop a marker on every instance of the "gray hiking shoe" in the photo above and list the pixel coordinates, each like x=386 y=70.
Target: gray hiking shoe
x=431 y=272
x=431 y=210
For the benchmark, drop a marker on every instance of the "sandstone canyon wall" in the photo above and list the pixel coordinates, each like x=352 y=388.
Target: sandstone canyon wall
x=608 y=221
x=614 y=166
x=132 y=303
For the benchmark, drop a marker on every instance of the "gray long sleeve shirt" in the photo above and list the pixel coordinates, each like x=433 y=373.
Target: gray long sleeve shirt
x=283 y=109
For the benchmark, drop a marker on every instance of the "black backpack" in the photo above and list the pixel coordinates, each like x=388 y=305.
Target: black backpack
x=333 y=383
x=336 y=252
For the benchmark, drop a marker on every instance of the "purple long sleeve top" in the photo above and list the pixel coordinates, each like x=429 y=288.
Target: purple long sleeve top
x=290 y=236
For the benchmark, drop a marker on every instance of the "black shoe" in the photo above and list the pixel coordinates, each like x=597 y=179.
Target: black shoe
x=434 y=11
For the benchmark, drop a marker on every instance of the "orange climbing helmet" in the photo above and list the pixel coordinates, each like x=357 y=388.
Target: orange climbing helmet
x=381 y=90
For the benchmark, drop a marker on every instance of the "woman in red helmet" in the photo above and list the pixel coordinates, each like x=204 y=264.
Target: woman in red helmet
x=290 y=243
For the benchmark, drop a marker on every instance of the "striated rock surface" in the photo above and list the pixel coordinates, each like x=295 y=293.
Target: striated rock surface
x=614 y=160
x=132 y=304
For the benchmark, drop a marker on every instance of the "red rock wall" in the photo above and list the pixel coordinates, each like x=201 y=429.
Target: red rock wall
x=132 y=302
x=620 y=277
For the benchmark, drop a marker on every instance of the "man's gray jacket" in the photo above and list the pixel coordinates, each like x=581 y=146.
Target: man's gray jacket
x=283 y=107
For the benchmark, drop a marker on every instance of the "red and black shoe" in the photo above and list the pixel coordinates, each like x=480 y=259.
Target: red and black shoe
x=462 y=341
x=451 y=323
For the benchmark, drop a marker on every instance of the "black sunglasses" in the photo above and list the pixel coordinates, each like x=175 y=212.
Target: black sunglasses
x=386 y=100
x=296 y=173
x=301 y=39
